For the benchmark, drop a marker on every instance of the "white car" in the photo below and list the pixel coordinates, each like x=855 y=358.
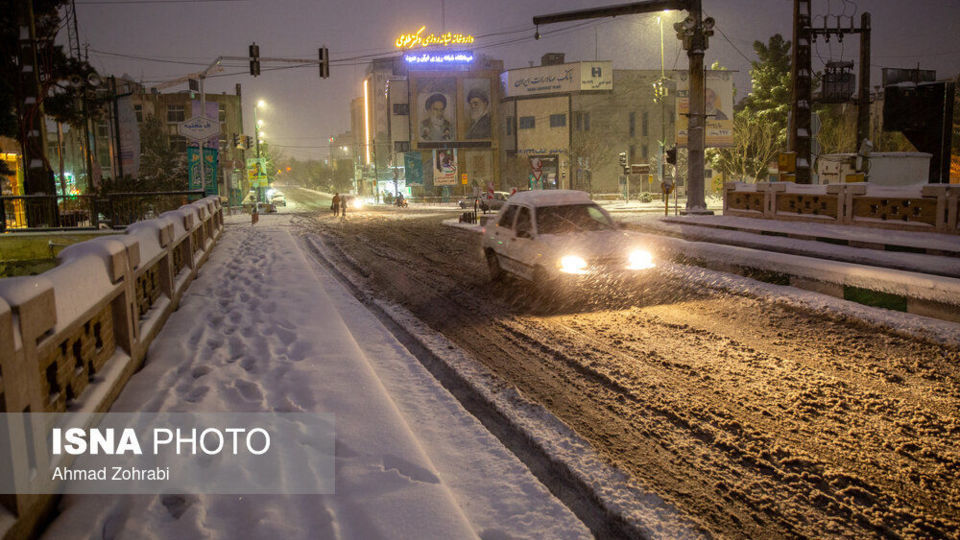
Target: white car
x=557 y=237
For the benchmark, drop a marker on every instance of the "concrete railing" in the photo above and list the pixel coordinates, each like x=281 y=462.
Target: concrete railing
x=71 y=337
x=929 y=207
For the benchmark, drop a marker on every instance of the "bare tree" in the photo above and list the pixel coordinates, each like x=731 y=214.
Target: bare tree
x=756 y=143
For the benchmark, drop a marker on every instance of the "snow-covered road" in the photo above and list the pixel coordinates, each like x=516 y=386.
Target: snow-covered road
x=265 y=328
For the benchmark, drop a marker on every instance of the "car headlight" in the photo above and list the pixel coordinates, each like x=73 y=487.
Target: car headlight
x=357 y=204
x=640 y=259
x=573 y=264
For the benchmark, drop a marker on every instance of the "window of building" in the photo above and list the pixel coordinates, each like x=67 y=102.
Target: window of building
x=632 y=155
x=510 y=122
x=222 y=112
x=645 y=153
x=558 y=120
x=103 y=157
x=633 y=124
x=175 y=113
x=707 y=173
x=103 y=130
x=178 y=143
x=528 y=122
x=401 y=109
x=645 y=125
x=138 y=110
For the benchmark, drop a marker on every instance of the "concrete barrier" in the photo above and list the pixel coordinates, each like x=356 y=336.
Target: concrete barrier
x=929 y=207
x=71 y=337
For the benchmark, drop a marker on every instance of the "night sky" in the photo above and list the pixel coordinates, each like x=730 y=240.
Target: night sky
x=181 y=36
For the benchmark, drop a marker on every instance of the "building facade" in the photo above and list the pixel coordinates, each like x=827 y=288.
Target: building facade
x=564 y=125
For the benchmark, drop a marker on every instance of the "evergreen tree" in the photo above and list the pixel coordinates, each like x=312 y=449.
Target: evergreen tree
x=58 y=73
x=769 y=98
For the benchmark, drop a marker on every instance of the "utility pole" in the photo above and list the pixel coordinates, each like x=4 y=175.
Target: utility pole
x=116 y=128
x=38 y=178
x=802 y=91
x=694 y=31
x=804 y=34
x=863 y=105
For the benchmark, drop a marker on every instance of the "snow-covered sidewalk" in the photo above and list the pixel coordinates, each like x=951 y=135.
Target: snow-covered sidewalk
x=266 y=328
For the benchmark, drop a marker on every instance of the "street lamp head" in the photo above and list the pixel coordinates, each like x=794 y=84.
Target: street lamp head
x=261 y=104
x=259 y=123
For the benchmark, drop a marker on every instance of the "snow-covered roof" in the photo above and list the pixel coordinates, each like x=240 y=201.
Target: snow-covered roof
x=553 y=197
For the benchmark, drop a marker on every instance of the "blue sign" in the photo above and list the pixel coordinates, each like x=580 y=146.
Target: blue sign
x=439 y=58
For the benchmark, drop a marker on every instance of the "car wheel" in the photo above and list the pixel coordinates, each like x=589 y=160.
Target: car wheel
x=493 y=265
x=546 y=290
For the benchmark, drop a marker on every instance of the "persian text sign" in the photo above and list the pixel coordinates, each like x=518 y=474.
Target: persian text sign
x=575 y=77
x=417 y=40
x=198 y=128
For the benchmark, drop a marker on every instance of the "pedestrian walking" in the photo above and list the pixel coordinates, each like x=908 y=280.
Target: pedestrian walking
x=343 y=207
x=335 y=206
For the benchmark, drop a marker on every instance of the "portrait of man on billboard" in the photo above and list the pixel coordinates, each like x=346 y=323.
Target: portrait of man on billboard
x=477 y=108
x=436 y=108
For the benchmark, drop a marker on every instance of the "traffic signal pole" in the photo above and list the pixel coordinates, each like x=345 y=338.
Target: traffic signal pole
x=694 y=32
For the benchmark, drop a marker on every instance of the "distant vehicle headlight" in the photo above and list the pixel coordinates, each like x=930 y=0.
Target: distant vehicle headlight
x=640 y=259
x=357 y=204
x=573 y=264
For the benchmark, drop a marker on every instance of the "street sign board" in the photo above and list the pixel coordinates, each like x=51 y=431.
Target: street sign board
x=199 y=128
x=640 y=168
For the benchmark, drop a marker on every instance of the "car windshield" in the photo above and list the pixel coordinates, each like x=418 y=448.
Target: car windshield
x=572 y=218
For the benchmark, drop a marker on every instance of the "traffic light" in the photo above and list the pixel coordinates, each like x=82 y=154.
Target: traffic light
x=623 y=161
x=247 y=142
x=254 y=59
x=672 y=156
x=324 y=63
x=236 y=140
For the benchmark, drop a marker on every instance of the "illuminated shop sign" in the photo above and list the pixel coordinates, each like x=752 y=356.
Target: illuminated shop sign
x=419 y=41
x=439 y=58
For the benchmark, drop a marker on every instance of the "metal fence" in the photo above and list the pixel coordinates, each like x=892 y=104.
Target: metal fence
x=115 y=210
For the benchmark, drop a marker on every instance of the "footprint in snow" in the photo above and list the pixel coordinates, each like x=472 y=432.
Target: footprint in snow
x=200 y=371
x=250 y=391
x=197 y=394
x=249 y=364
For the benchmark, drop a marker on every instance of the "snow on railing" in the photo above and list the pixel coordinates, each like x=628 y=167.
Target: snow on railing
x=71 y=337
x=929 y=207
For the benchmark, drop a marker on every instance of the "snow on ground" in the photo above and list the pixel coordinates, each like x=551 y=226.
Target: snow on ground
x=264 y=328
x=618 y=495
x=930 y=287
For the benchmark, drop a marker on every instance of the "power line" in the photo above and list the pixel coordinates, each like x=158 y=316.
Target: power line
x=141 y=2
x=722 y=33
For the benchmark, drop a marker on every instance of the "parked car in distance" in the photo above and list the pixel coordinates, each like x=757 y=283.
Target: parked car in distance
x=277 y=199
x=558 y=238
x=487 y=201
